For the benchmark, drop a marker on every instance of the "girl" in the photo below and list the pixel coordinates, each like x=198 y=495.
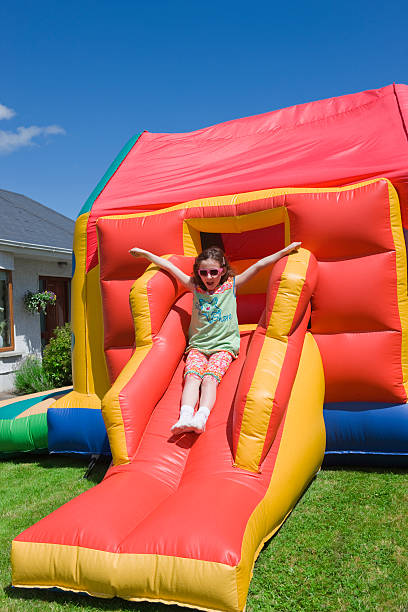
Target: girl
x=213 y=334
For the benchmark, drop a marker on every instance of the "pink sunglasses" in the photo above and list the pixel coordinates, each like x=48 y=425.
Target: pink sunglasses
x=212 y=272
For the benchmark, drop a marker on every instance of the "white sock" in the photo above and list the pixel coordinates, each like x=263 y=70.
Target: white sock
x=186 y=410
x=185 y=419
x=200 y=419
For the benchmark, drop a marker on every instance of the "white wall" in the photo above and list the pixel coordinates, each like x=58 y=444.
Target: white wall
x=27 y=332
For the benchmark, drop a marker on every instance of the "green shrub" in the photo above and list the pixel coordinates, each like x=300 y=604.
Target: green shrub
x=31 y=377
x=57 y=357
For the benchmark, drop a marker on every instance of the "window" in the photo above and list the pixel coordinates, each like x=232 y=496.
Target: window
x=6 y=312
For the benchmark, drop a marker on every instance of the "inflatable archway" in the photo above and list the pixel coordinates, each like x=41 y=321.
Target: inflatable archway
x=328 y=323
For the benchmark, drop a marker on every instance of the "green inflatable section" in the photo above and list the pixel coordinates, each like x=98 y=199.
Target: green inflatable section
x=23 y=422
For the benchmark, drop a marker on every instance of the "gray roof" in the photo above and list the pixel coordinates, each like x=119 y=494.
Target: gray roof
x=25 y=220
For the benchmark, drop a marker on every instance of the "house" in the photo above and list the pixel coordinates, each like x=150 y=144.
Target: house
x=35 y=255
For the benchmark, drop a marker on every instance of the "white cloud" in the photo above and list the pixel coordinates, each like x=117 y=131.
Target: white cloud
x=24 y=136
x=54 y=129
x=6 y=113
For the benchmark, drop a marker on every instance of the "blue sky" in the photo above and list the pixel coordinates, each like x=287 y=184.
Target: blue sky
x=78 y=79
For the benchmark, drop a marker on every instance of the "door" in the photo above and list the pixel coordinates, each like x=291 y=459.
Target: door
x=59 y=314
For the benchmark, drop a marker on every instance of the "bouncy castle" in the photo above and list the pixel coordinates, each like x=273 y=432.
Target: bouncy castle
x=182 y=519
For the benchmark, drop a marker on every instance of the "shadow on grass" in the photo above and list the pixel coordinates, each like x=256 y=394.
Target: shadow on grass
x=57 y=460
x=64 y=598
x=379 y=463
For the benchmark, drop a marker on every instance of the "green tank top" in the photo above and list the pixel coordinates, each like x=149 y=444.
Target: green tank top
x=214 y=322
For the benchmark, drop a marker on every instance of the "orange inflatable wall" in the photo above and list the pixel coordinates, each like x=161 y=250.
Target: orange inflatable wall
x=356 y=236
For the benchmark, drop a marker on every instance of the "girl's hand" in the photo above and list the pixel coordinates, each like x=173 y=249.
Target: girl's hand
x=138 y=252
x=291 y=247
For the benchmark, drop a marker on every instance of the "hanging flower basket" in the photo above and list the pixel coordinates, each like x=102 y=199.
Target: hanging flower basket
x=38 y=302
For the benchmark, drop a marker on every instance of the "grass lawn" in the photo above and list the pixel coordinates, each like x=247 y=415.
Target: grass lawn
x=343 y=548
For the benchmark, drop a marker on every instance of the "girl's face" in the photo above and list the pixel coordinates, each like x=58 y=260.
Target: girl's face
x=210 y=273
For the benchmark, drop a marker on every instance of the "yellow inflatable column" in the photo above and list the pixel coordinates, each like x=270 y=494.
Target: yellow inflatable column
x=89 y=371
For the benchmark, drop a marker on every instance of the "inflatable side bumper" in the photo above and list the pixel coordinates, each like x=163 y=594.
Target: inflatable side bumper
x=23 y=421
x=361 y=432
x=78 y=430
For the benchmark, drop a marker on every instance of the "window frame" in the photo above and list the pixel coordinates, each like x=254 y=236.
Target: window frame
x=11 y=347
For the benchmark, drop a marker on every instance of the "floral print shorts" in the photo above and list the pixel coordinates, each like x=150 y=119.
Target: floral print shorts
x=215 y=365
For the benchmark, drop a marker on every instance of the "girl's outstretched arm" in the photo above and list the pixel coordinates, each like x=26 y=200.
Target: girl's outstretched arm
x=270 y=259
x=181 y=276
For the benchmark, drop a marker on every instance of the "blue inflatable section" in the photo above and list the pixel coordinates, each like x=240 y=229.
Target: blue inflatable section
x=366 y=428
x=369 y=433
x=77 y=430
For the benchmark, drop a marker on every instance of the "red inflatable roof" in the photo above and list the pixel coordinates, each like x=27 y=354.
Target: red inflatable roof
x=331 y=142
